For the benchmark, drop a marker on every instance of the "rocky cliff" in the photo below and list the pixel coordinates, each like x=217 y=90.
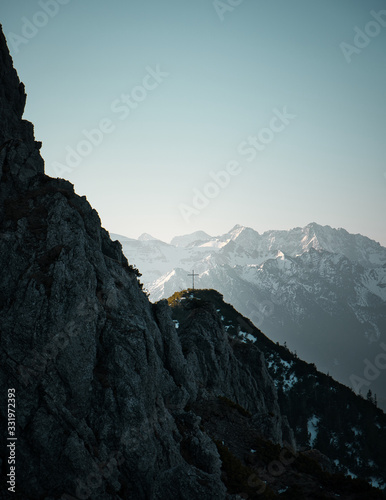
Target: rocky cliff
x=323 y=413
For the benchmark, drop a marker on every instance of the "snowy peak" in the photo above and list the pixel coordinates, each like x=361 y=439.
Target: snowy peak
x=188 y=239
x=245 y=237
x=310 y=238
x=147 y=237
x=244 y=234
x=355 y=247
x=236 y=231
x=297 y=241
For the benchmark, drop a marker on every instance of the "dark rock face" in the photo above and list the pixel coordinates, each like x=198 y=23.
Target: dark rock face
x=102 y=378
x=236 y=370
x=19 y=153
x=329 y=420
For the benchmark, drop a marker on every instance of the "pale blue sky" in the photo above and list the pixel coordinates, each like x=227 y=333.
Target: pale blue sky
x=225 y=79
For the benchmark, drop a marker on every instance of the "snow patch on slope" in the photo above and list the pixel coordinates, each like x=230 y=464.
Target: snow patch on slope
x=312 y=427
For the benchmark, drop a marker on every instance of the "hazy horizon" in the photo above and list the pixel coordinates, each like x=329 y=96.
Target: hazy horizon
x=178 y=117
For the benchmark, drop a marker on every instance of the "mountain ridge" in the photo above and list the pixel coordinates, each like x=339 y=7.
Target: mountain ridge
x=297 y=284
x=305 y=394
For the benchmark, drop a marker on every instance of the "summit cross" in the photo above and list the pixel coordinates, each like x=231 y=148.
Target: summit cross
x=193 y=275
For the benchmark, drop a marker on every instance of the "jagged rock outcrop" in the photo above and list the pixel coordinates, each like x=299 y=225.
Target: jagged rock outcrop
x=19 y=152
x=102 y=379
x=234 y=370
x=341 y=431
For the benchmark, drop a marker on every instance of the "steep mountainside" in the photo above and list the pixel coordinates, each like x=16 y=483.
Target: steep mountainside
x=324 y=414
x=321 y=290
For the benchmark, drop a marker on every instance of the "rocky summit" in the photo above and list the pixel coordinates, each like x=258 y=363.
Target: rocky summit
x=107 y=398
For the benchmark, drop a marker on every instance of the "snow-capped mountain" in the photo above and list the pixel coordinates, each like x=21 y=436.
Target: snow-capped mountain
x=320 y=290
x=146 y=237
x=184 y=241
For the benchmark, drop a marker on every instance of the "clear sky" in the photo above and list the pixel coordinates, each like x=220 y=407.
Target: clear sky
x=262 y=90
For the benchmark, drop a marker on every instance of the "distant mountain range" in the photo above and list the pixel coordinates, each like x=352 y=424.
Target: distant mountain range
x=320 y=290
